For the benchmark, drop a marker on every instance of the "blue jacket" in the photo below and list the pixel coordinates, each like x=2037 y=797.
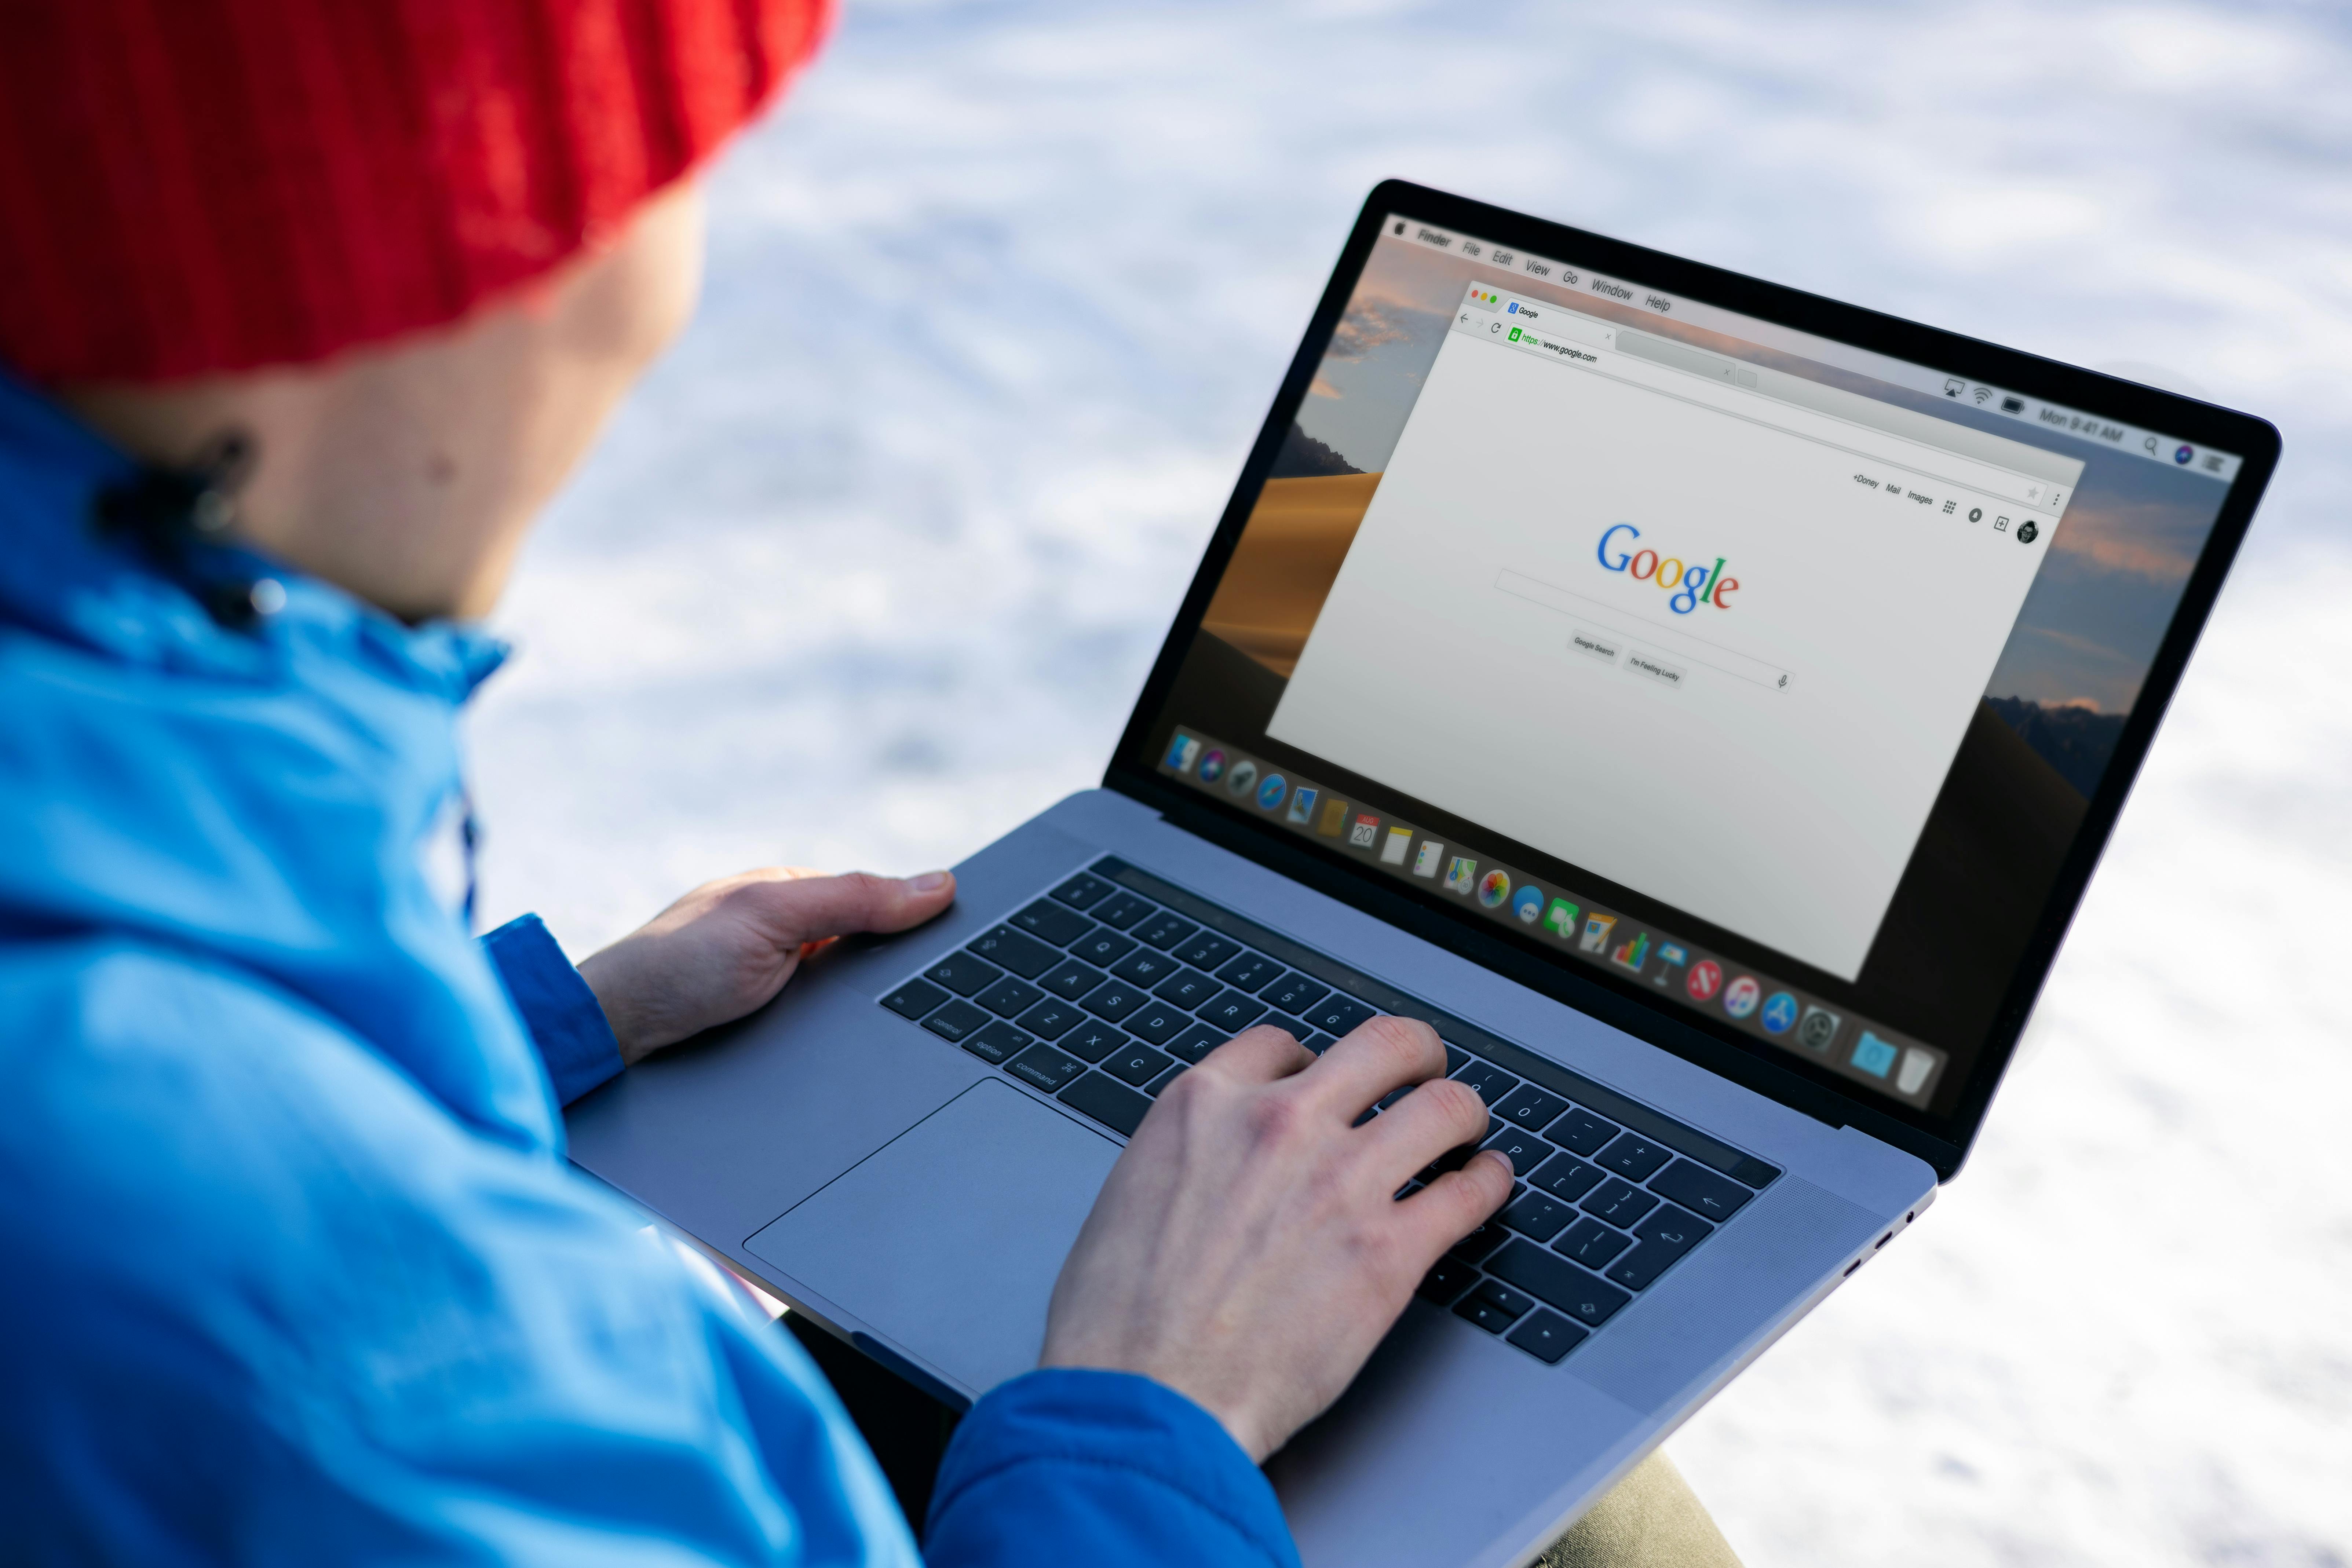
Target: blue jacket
x=295 y=1271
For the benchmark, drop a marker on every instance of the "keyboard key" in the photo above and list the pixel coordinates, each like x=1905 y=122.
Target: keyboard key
x=1479 y=1242
x=1232 y=1012
x=1070 y=979
x=1009 y=949
x=1252 y=972
x=1293 y=994
x=1108 y=1102
x=1532 y=1213
x=1633 y=1157
x=1091 y=1041
x=1581 y=1132
x=1592 y=1244
x=998 y=1041
x=1530 y=1107
x=1445 y=1281
x=1046 y=1067
x=1009 y=998
x=1639 y=1269
x=1053 y=923
x=1052 y=1018
x=1317 y=1042
x=1195 y=1043
x=1083 y=891
x=915 y=998
x=1455 y=1057
x=1619 y=1202
x=1287 y=1024
x=1121 y=910
x=1206 y=950
x=1547 y=1336
x=1454 y=1159
x=962 y=973
x=1662 y=1239
x=1585 y=1298
x=1491 y=1082
x=1525 y=1151
x=1564 y=1177
x=1102 y=948
x=1175 y=1071
x=1337 y=1014
x=1188 y=988
x=956 y=1020
x=1701 y=1191
x=1114 y=1000
x=1163 y=930
x=1493 y=1305
x=1137 y=1064
x=1145 y=967
x=1159 y=1022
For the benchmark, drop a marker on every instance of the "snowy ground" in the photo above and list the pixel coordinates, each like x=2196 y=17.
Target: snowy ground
x=874 y=567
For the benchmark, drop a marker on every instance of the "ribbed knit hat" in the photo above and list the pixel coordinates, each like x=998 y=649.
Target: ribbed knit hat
x=199 y=185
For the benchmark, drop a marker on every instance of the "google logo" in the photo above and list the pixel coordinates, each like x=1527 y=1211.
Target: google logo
x=1669 y=572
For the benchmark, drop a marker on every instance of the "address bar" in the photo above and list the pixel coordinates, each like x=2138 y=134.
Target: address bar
x=1593 y=347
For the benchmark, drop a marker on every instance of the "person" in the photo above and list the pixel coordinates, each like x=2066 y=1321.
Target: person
x=308 y=311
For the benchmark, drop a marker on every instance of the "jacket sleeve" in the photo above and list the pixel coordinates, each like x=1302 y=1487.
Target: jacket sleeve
x=566 y=1022
x=1068 y=1465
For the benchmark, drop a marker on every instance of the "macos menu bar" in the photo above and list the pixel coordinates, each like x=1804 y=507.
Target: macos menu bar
x=2149 y=446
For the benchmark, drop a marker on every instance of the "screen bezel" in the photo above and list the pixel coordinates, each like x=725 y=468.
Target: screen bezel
x=1942 y=1141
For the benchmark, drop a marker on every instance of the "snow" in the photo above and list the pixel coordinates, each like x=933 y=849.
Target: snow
x=873 y=568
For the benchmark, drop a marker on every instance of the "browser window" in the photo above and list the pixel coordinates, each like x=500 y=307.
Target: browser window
x=1727 y=644
x=1762 y=673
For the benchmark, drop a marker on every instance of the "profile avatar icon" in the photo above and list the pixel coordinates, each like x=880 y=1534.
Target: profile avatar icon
x=2027 y=533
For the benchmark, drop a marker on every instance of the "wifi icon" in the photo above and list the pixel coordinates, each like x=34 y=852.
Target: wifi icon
x=1983 y=395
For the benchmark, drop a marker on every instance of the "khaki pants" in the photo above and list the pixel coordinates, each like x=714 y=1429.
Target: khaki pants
x=1650 y=1519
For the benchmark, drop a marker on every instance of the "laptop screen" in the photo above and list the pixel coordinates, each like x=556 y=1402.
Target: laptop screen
x=1762 y=672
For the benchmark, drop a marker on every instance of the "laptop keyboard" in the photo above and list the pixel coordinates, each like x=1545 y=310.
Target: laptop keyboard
x=1102 y=991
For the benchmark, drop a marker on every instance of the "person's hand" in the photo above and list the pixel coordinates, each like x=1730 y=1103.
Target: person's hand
x=1248 y=1250
x=729 y=945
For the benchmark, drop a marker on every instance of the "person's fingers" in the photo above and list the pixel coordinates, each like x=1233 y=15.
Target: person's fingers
x=800 y=909
x=1260 y=1054
x=1376 y=1058
x=1439 y=1115
x=1454 y=1205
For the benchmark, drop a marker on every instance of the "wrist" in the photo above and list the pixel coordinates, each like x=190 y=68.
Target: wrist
x=608 y=985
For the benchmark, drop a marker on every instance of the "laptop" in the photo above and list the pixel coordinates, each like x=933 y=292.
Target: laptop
x=1702 y=701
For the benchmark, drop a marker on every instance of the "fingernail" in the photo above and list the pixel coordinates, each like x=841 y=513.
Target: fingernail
x=929 y=881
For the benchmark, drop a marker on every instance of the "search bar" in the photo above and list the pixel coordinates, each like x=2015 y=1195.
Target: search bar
x=1611 y=622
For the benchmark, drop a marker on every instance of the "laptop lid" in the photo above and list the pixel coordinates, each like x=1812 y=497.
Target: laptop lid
x=1759 y=673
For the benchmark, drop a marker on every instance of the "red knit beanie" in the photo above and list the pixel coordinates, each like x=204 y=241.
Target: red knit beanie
x=198 y=186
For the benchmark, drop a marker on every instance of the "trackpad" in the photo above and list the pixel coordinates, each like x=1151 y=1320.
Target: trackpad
x=948 y=1239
